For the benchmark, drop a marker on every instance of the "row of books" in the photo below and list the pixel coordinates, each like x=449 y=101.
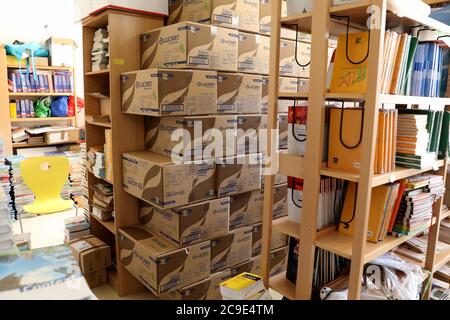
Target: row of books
x=398 y=208
x=410 y=67
x=103 y=202
x=44 y=81
x=22 y=109
x=422 y=136
x=386 y=142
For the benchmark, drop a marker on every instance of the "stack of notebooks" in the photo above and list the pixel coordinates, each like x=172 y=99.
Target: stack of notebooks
x=384 y=206
x=103 y=204
x=410 y=68
x=416 y=206
x=19 y=134
x=76 y=228
x=6 y=232
x=100 y=50
x=419 y=137
x=108 y=155
x=36 y=139
x=99 y=165
x=84 y=183
x=91 y=156
x=416 y=248
x=386 y=141
x=22 y=195
x=75 y=174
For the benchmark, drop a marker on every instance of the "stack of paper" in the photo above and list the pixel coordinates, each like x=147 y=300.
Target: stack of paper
x=76 y=227
x=84 y=183
x=6 y=232
x=416 y=248
x=22 y=195
x=99 y=165
x=75 y=173
x=100 y=50
x=43 y=274
x=245 y=286
x=108 y=155
x=103 y=204
x=19 y=135
x=435 y=185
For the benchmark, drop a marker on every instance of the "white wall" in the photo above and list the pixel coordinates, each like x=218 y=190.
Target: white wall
x=25 y=20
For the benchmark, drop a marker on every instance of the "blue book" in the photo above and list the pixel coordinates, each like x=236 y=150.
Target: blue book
x=33 y=114
x=46 y=83
x=18 y=111
x=23 y=111
x=24 y=83
x=14 y=82
x=27 y=108
x=18 y=82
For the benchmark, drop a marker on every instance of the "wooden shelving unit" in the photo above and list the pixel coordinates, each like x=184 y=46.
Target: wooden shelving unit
x=128 y=134
x=5 y=96
x=321 y=25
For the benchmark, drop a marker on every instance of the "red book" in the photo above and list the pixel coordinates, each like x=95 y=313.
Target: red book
x=401 y=190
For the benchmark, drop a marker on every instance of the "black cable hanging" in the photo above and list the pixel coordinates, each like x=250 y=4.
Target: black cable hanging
x=346 y=42
x=424 y=29
x=296 y=50
x=347 y=223
x=341 y=138
x=300 y=206
x=293 y=126
x=442 y=37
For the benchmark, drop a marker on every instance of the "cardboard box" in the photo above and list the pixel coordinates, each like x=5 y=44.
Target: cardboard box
x=247 y=47
x=286 y=85
x=225 y=49
x=278 y=240
x=91 y=253
x=241 y=246
x=238 y=174
x=265 y=17
x=97 y=278
x=220 y=250
x=248 y=13
x=61 y=52
x=251 y=134
x=12 y=62
x=63 y=136
x=218 y=12
x=158 y=92
x=227 y=132
x=280 y=202
x=278 y=261
x=214 y=284
x=160 y=265
x=195 y=223
x=160 y=48
x=252 y=266
x=288 y=63
x=283 y=128
x=157 y=180
x=245 y=209
x=238 y=93
x=262 y=55
x=148 y=217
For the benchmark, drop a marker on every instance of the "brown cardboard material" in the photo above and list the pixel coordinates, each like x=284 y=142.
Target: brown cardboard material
x=157 y=180
x=195 y=223
x=262 y=55
x=283 y=130
x=196 y=11
x=214 y=284
x=248 y=14
x=97 y=278
x=252 y=266
x=240 y=174
x=280 y=202
x=265 y=17
x=278 y=261
x=250 y=135
x=241 y=246
x=288 y=64
x=247 y=48
x=91 y=253
x=278 y=240
x=148 y=217
x=245 y=209
x=225 y=49
x=220 y=250
x=239 y=93
x=163 y=92
x=158 y=264
x=286 y=85
x=160 y=48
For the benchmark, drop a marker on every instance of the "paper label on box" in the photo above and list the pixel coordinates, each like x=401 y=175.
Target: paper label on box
x=119 y=62
x=81 y=246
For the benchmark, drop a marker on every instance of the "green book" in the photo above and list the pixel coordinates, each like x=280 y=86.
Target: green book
x=444 y=141
x=409 y=65
x=437 y=131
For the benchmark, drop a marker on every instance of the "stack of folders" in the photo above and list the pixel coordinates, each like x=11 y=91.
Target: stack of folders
x=100 y=50
x=76 y=228
x=108 y=155
x=327 y=265
x=6 y=232
x=416 y=207
x=410 y=67
x=418 y=137
x=383 y=210
x=245 y=286
x=386 y=141
x=416 y=248
x=103 y=204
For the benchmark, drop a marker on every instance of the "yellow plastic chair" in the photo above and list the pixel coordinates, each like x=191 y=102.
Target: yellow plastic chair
x=46 y=176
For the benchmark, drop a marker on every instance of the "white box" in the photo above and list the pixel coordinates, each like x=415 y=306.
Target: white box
x=295 y=199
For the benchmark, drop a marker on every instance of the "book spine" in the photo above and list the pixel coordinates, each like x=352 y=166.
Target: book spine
x=23 y=112
x=46 y=83
x=14 y=82
x=18 y=82
x=32 y=112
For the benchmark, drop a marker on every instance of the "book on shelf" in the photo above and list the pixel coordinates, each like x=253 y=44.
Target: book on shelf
x=41 y=82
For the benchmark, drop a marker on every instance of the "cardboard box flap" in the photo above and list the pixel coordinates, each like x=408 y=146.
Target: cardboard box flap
x=156 y=247
x=152 y=157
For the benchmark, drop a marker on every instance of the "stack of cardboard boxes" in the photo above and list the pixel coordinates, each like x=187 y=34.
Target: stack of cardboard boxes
x=203 y=88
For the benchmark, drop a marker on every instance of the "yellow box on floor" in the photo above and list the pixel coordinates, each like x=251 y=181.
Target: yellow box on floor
x=160 y=265
x=91 y=253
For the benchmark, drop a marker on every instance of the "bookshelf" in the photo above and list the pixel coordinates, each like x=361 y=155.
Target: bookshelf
x=127 y=130
x=5 y=96
x=321 y=25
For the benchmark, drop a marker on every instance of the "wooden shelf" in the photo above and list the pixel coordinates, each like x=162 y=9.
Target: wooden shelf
x=288 y=227
x=43 y=119
x=291 y=95
x=302 y=20
x=445 y=214
x=441 y=259
x=291 y=166
x=49 y=68
x=106 y=180
x=283 y=286
x=97 y=73
x=100 y=124
x=39 y=94
x=107 y=224
x=37 y=145
x=342 y=244
x=380 y=179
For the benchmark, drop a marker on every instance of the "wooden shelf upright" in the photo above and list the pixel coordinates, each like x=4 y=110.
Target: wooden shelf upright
x=321 y=24
x=125 y=29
